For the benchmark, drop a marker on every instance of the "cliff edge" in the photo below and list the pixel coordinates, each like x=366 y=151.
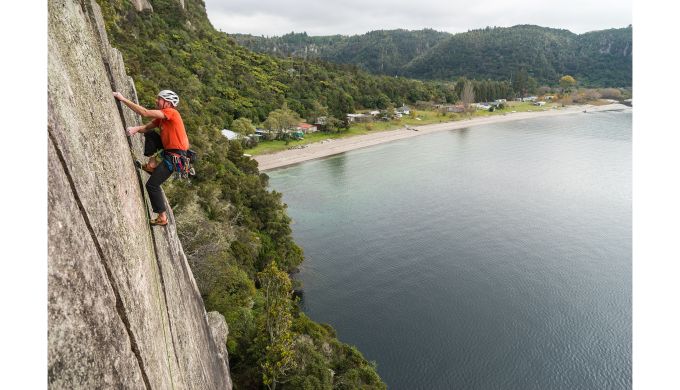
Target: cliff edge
x=123 y=307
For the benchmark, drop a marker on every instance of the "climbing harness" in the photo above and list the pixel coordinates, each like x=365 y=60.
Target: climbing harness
x=180 y=164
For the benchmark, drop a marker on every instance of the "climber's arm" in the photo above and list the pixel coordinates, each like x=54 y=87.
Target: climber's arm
x=132 y=130
x=155 y=114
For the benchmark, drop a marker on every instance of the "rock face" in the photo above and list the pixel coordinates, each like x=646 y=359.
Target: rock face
x=123 y=307
x=142 y=5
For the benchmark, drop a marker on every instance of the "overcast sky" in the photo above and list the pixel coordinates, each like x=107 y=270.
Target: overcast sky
x=350 y=17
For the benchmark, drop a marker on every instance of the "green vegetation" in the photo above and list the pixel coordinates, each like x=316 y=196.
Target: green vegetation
x=381 y=51
x=243 y=126
x=281 y=119
x=598 y=58
x=567 y=82
x=276 y=337
x=601 y=58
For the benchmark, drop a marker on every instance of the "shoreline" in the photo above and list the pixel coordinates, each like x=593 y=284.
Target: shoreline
x=323 y=149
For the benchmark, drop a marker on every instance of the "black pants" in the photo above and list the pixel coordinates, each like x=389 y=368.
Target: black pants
x=153 y=187
x=152 y=143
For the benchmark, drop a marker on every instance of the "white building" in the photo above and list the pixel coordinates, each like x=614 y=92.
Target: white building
x=230 y=134
x=404 y=110
x=358 y=118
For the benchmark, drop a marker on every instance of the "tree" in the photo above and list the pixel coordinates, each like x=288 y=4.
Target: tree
x=282 y=119
x=333 y=124
x=275 y=325
x=543 y=90
x=243 y=126
x=318 y=111
x=468 y=95
x=388 y=112
x=532 y=85
x=520 y=82
x=566 y=82
x=458 y=88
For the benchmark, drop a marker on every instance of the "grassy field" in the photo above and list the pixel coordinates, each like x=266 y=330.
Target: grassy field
x=421 y=118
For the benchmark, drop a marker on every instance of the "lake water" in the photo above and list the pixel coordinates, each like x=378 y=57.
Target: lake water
x=494 y=257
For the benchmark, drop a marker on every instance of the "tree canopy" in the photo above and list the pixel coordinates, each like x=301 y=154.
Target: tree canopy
x=598 y=58
x=567 y=82
x=243 y=126
x=282 y=119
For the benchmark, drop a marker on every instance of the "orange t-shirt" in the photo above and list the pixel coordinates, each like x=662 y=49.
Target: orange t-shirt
x=173 y=134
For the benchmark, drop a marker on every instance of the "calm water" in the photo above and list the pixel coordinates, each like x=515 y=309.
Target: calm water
x=495 y=257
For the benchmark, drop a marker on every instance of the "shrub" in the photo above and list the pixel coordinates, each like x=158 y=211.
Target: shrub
x=611 y=93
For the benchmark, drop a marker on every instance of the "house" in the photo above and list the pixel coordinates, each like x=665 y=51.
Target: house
x=540 y=104
x=306 y=128
x=358 y=118
x=529 y=99
x=451 y=108
x=374 y=112
x=549 y=97
x=404 y=110
x=230 y=134
x=500 y=101
x=482 y=106
x=264 y=134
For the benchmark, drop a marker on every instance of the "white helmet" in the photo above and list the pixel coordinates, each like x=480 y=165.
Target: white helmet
x=169 y=96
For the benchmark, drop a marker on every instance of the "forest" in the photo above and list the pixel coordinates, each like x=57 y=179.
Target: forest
x=598 y=58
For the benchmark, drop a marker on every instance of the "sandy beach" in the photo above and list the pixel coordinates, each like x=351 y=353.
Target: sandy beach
x=331 y=147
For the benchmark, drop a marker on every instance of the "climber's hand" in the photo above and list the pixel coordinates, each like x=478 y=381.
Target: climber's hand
x=118 y=95
x=132 y=130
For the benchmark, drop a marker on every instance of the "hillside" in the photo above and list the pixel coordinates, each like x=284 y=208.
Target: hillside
x=381 y=51
x=601 y=58
x=598 y=58
x=227 y=81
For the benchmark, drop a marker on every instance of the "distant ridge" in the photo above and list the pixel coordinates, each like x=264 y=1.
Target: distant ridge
x=379 y=51
x=597 y=58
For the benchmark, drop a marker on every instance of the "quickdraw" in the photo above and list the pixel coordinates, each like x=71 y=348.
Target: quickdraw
x=179 y=164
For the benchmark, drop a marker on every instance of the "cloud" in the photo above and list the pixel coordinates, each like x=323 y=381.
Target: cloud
x=349 y=17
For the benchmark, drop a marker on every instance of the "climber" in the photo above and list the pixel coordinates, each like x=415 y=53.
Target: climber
x=172 y=140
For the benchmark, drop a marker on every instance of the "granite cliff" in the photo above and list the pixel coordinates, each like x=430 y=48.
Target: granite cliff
x=123 y=307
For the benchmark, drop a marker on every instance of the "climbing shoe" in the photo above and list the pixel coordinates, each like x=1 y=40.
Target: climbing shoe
x=158 y=222
x=144 y=167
